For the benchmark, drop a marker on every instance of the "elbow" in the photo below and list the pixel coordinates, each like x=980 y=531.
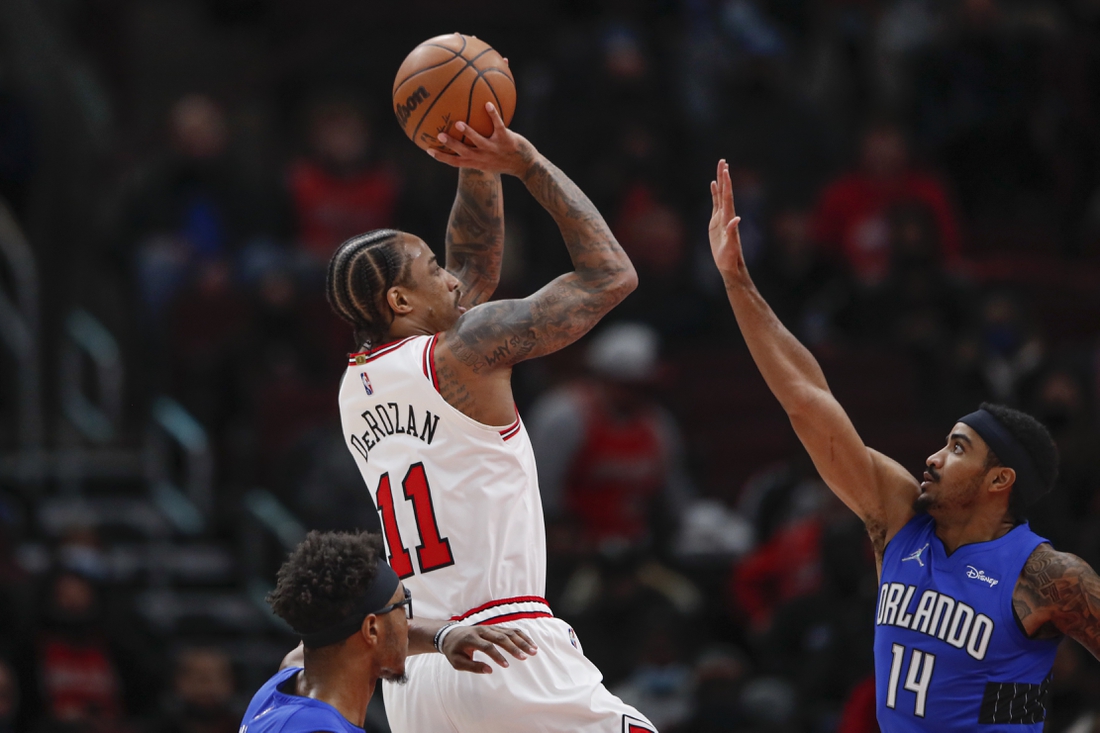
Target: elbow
x=621 y=284
x=628 y=279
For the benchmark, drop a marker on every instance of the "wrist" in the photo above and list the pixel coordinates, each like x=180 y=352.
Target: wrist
x=442 y=634
x=737 y=277
x=529 y=158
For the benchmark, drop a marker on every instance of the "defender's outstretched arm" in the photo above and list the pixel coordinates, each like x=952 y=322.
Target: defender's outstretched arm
x=499 y=334
x=875 y=487
x=475 y=234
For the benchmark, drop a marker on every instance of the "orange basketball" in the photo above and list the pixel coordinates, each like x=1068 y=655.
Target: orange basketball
x=450 y=78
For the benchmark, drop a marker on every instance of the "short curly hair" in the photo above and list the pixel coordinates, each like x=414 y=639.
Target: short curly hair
x=318 y=585
x=1037 y=441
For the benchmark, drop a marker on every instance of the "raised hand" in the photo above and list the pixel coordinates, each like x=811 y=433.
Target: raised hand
x=725 y=237
x=461 y=643
x=503 y=151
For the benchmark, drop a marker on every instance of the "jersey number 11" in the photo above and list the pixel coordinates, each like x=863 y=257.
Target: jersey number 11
x=433 y=552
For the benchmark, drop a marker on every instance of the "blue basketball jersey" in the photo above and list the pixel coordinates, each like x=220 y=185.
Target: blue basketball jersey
x=272 y=711
x=949 y=652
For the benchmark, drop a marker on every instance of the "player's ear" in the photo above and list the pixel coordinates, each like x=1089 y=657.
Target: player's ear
x=398 y=300
x=370 y=630
x=1002 y=478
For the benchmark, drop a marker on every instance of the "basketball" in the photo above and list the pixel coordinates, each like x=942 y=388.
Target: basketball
x=450 y=78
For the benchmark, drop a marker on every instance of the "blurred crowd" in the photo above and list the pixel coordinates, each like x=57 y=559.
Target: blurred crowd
x=919 y=187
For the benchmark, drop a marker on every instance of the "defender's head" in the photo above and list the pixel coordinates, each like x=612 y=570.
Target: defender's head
x=995 y=456
x=387 y=284
x=338 y=593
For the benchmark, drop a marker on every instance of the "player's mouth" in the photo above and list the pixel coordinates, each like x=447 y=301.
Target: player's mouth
x=458 y=296
x=930 y=477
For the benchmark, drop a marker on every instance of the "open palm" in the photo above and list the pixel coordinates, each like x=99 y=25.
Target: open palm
x=725 y=238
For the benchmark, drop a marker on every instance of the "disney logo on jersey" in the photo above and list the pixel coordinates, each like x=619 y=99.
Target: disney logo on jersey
x=973 y=572
x=916 y=555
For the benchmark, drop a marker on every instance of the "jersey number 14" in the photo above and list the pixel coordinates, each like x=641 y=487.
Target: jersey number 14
x=433 y=552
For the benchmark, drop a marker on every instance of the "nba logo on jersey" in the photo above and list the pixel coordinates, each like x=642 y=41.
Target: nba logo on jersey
x=366 y=383
x=573 y=639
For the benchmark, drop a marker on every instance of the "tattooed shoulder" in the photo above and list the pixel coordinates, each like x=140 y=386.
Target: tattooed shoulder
x=1059 y=593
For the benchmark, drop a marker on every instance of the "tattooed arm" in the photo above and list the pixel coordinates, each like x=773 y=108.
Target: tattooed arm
x=1058 y=593
x=475 y=235
x=497 y=335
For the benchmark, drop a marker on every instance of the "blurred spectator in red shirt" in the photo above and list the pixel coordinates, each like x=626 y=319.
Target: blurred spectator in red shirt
x=77 y=670
x=340 y=190
x=608 y=454
x=851 y=215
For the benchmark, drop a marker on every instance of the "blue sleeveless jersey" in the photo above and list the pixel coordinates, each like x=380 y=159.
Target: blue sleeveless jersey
x=272 y=711
x=949 y=652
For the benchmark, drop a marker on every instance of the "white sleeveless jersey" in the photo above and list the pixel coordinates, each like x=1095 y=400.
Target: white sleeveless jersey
x=459 y=500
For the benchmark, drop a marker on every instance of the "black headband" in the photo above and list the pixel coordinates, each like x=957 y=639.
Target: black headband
x=1009 y=451
x=377 y=595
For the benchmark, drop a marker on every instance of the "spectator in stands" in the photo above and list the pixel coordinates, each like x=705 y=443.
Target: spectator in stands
x=660 y=685
x=609 y=455
x=789 y=564
x=821 y=642
x=719 y=676
x=76 y=669
x=202 y=694
x=851 y=215
x=1003 y=350
x=189 y=208
x=339 y=188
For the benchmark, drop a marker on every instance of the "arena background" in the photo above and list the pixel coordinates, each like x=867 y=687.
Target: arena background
x=919 y=182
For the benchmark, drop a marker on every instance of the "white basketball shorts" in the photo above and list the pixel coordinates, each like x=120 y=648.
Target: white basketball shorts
x=556 y=691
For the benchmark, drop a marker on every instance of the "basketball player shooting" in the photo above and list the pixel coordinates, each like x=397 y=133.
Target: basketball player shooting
x=428 y=414
x=972 y=604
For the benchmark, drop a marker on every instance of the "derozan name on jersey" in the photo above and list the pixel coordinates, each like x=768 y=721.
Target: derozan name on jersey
x=388 y=419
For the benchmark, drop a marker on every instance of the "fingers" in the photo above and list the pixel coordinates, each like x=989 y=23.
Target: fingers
x=494 y=115
x=472 y=135
x=507 y=642
x=524 y=641
x=465 y=664
x=460 y=148
x=731 y=228
x=449 y=159
x=490 y=649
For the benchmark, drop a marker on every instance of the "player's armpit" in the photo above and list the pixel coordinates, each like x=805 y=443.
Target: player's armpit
x=1059 y=593
x=475 y=235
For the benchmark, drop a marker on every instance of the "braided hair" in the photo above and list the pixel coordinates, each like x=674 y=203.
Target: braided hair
x=360 y=273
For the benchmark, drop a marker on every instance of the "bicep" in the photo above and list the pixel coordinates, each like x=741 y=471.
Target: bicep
x=500 y=334
x=1070 y=589
x=877 y=488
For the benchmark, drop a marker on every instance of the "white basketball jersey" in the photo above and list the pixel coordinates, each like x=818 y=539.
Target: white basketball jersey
x=459 y=501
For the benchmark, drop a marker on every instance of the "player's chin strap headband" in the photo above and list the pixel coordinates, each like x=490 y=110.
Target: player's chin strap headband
x=1009 y=451
x=377 y=595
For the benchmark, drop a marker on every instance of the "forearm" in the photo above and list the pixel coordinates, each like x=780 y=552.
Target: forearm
x=788 y=367
x=475 y=234
x=597 y=258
